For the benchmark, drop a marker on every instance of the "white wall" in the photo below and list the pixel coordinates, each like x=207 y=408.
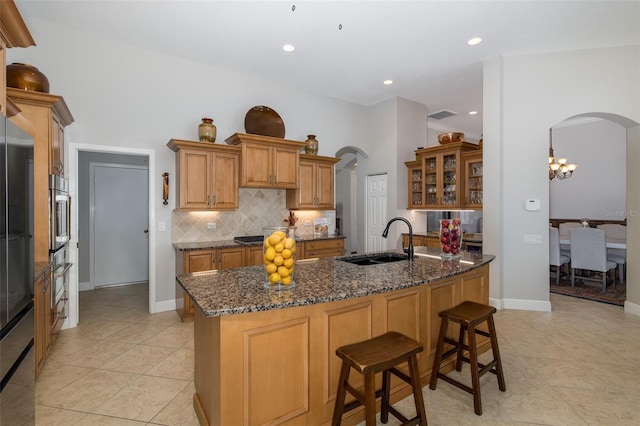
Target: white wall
x=524 y=97
x=599 y=149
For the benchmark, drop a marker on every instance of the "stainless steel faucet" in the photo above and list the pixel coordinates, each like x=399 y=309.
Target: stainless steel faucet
x=408 y=250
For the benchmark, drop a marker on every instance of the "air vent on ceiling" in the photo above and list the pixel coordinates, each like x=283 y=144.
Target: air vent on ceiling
x=442 y=114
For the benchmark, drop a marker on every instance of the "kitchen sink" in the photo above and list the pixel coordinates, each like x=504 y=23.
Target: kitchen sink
x=375 y=259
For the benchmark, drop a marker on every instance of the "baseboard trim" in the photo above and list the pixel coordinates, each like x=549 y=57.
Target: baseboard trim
x=631 y=308
x=526 y=305
x=165 y=306
x=85 y=286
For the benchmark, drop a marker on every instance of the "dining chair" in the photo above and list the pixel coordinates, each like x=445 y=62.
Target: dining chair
x=563 y=230
x=589 y=253
x=556 y=258
x=618 y=232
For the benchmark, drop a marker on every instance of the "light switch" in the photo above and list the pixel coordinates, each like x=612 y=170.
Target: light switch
x=532 y=239
x=162 y=226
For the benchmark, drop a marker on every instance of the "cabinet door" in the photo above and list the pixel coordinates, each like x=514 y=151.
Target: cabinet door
x=43 y=319
x=194 y=179
x=473 y=181
x=432 y=189
x=285 y=167
x=224 y=181
x=306 y=194
x=451 y=179
x=254 y=255
x=324 y=186
x=415 y=196
x=256 y=165
x=230 y=258
x=201 y=260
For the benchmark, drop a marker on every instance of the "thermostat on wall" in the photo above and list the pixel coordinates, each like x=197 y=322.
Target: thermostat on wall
x=532 y=204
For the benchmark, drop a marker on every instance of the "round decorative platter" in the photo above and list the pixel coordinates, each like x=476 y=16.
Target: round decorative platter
x=262 y=120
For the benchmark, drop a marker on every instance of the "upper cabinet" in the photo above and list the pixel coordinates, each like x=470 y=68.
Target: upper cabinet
x=207 y=175
x=316 y=184
x=268 y=162
x=442 y=174
x=13 y=33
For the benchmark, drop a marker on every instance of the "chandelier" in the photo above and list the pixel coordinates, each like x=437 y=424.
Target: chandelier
x=558 y=168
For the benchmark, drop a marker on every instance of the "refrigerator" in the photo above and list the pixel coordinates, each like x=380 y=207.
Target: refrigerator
x=16 y=276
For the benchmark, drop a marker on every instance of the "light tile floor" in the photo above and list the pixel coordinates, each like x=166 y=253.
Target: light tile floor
x=577 y=365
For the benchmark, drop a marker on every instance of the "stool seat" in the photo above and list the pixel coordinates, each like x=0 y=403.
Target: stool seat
x=379 y=354
x=468 y=315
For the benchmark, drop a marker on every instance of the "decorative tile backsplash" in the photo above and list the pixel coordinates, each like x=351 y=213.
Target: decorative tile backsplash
x=258 y=208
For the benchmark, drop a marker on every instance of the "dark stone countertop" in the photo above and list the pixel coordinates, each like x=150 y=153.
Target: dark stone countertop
x=241 y=290
x=203 y=245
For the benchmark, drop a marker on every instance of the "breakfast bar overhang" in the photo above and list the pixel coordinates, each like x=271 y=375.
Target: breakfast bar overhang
x=267 y=356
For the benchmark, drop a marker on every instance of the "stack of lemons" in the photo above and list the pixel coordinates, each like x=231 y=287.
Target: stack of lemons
x=279 y=257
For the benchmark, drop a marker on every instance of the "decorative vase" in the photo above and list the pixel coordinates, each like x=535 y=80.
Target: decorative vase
x=311 y=145
x=207 y=130
x=26 y=77
x=450 y=238
x=279 y=256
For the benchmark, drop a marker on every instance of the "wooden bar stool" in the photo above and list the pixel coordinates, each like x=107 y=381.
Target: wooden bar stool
x=469 y=315
x=379 y=354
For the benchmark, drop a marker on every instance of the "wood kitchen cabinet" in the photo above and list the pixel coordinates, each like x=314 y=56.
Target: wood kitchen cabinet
x=207 y=175
x=44 y=116
x=205 y=260
x=254 y=255
x=421 y=240
x=43 y=318
x=443 y=175
x=316 y=190
x=323 y=248
x=268 y=162
x=473 y=179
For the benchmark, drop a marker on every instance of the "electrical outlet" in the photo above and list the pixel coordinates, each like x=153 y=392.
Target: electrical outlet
x=532 y=239
x=211 y=225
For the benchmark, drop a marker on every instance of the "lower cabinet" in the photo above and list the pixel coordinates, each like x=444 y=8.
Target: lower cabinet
x=205 y=260
x=421 y=240
x=323 y=248
x=43 y=318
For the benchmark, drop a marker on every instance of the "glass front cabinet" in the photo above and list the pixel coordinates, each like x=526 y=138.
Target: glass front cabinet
x=445 y=173
x=473 y=179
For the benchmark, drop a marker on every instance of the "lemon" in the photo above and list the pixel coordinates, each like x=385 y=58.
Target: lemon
x=280 y=234
x=274 y=278
x=279 y=247
x=274 y=239
x=286 y=281
x=278 y=260
x=271 y=268
x=283 y=271
x=270 y=254
x=289 y=242
x=286 y=253
x=288 y=262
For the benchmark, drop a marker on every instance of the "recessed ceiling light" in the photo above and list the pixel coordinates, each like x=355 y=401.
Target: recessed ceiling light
x=473 y=112
x=288 y=48
x=387 y=82
x=474 y=41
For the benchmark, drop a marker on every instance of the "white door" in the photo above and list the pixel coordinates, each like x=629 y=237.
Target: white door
x=376 y=212
x=120 y=222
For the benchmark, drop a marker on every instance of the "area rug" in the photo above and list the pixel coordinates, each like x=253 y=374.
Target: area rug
x=590 y=290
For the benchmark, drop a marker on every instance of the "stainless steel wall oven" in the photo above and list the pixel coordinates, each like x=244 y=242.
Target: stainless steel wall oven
x=59 y=212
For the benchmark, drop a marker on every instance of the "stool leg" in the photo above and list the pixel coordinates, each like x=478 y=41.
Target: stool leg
x=460 y=353
x=414 y=373
x=370 y=398
x=384 y=403
x=475 y=378
x=340 y=395
x=496 y=354
x=437 y=359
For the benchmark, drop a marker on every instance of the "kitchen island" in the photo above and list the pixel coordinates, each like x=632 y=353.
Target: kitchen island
x=268 y=357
